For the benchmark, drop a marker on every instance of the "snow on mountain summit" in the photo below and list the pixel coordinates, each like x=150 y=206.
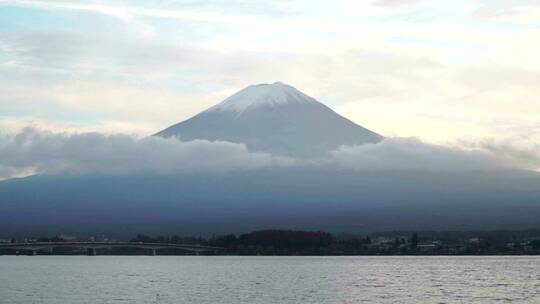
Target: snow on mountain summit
x=275 y=118
x=263 y=95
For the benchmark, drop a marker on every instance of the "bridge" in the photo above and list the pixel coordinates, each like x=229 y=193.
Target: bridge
x=91 y=247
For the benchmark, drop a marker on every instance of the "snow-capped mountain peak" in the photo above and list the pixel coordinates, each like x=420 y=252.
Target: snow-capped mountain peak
x=263 y=95
x=275 y=118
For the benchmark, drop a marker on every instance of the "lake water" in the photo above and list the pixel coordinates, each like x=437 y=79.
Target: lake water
x=218 y=280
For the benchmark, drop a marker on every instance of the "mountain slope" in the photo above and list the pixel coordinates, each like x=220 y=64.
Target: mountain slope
x=275 y=118
x=290 y=198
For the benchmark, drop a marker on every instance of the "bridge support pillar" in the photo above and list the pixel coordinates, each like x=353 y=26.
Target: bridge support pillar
x=153 y=252
x=92 y=251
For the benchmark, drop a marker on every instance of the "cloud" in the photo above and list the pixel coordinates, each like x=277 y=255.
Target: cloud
x=45 y=152
x=413 y=154
x=244 y=12
x=485 y=78
x=522 y=152
x=31 y=151
x=518 y=11
x=396 y=2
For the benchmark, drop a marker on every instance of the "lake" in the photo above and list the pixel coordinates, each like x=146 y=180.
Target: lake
x=222 y=279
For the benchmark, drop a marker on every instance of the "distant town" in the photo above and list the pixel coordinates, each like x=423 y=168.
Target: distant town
x=295 y=242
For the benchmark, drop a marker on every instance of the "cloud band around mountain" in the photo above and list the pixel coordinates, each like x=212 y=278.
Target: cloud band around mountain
x=31 y=151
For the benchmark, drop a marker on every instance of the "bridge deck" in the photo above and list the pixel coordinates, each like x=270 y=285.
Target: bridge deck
x=95 y=245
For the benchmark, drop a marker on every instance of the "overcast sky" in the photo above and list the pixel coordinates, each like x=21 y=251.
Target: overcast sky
x=459 y=71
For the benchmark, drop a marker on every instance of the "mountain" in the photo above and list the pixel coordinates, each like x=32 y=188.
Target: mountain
x=275 y=118
x=319 y=196
x=316 y=198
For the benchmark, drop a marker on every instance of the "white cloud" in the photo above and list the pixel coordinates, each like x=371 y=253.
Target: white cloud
x=522 y=152
x=395 y=2
x=517 y=11
x=395 y=154
x=45 y=152
x=31 y=151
